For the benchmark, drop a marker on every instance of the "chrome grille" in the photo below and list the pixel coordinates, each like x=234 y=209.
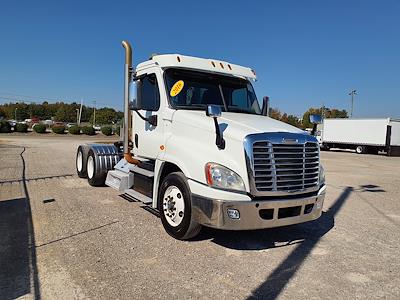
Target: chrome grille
x=279 y=167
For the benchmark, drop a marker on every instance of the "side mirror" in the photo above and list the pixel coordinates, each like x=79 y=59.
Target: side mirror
x=135 y=102
x=213 y=111
x=315 y=119
x=265 y=107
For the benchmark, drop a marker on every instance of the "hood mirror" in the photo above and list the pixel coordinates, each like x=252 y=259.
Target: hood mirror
x=315 y=119
x=213 y=111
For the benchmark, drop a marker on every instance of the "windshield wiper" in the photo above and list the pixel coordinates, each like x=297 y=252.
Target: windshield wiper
x=242 y=110
x=190 y=106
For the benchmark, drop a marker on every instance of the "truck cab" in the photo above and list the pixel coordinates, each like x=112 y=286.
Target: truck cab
x=205 y=154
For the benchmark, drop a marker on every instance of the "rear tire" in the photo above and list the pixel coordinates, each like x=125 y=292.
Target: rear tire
x=81 y=163
x=95 y=176
x=175 y=205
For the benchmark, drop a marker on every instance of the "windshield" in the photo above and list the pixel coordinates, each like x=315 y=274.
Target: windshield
x=196 y=90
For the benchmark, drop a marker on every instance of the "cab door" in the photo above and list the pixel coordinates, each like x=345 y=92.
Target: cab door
x=148 y=138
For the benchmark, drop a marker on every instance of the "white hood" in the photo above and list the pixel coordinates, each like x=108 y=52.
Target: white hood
x=233 y=125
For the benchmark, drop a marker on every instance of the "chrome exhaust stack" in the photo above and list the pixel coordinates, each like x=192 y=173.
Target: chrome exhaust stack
x=129 y=72
x=127 y=76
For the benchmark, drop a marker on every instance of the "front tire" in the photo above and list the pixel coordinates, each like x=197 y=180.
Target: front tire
x=175 y=205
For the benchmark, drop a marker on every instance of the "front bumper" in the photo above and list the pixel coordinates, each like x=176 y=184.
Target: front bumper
x=257 y=214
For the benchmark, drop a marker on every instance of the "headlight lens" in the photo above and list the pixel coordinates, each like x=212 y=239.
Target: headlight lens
x=321 y=175
x=221 y=177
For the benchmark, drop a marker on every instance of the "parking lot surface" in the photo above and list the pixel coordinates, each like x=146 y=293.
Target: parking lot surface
x=63 y=239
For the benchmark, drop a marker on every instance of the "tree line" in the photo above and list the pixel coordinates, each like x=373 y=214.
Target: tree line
x=67 y=112
x=304 y=122
x=59 y=111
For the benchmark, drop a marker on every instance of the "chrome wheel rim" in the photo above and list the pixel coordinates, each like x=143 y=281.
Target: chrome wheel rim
x=90 y=167
x=173 y=206
x=79 y=161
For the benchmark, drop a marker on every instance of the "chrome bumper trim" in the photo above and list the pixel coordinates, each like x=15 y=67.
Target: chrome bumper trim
x=213 y=212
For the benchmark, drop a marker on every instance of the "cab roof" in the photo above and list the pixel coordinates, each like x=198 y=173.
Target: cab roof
x=196 y=63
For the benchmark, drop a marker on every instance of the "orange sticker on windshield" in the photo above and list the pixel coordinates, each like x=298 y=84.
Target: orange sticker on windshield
x=177 y=88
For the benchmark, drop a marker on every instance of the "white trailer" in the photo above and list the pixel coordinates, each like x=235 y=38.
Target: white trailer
x=199 y=149
x=363 y=135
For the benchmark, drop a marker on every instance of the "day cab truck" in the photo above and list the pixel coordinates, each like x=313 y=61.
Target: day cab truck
x=198 y=148
x=362 y=135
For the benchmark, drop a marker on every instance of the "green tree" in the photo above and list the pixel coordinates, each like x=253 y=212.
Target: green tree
x=2 y=113
x=293 y=120
x=105 y=116
x=66 y=113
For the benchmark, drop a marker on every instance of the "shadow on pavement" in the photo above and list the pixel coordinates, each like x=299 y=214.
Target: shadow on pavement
x=18 y=269
x=277 y=280
x=306 y=235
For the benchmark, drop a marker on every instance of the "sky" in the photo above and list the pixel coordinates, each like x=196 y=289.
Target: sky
x=306 y=53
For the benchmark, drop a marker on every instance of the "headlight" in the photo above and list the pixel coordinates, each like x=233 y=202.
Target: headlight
x=321 y=175
x=223 y=178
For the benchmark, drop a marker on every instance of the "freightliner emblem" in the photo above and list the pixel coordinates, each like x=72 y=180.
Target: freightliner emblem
x=290 y=141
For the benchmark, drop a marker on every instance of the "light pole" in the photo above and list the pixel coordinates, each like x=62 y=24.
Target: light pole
x=94 y=113
x=77 y=116
x=352 y=94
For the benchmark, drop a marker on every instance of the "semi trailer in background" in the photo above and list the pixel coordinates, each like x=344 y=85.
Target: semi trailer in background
x=361 y=135
x=200 y=150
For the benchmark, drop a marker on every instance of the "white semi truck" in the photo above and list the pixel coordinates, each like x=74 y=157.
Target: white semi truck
x=362 y=135
x=198 y=148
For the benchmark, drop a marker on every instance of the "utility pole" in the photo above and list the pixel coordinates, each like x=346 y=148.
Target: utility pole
x=80 y=112
x=352 y=94
x=77 y=116
x=16 y=114
x=94 y=113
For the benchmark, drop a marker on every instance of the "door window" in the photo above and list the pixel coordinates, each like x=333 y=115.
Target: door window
x=149 y=93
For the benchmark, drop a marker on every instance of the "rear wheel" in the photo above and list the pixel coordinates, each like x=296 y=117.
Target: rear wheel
x=361 y=149
x=81 y=163
x=174 y=202
x=94 y=175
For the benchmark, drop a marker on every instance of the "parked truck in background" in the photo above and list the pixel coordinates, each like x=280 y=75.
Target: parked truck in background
x=199 y=149
x=362 y=135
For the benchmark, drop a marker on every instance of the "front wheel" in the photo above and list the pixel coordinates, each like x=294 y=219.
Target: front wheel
x=174 y=203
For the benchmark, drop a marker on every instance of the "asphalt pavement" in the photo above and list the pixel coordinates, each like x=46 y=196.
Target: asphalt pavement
x=63 y=239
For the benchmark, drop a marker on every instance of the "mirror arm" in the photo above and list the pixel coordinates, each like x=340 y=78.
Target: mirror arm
x=152 y=119
x=219 y=140
x=314 y=129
